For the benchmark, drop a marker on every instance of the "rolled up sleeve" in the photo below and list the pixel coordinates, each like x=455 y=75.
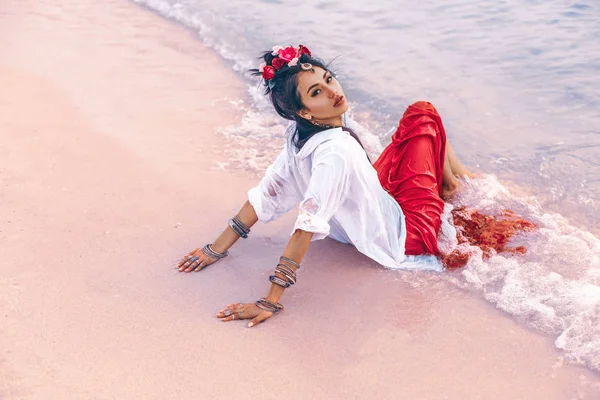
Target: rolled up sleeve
x=275 y=194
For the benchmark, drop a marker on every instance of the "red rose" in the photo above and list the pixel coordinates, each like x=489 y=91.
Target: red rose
x=303 y=50
x=268 y=73
x=287 y=54
x=277 y=63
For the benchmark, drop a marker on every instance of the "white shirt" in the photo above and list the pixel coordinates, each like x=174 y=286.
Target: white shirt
x=339 y=195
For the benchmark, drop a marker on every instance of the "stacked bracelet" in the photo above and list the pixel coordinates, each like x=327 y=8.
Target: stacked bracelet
x=284 y=268
x=213 y=254
x=287 y=272
x=239 y=227
x=268 y=305
x=278 y=281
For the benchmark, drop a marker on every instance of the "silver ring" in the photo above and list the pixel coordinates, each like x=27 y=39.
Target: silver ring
x=227 y=313
x=233 y=316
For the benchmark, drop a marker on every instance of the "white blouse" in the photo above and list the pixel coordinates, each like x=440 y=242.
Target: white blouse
x=339 y=195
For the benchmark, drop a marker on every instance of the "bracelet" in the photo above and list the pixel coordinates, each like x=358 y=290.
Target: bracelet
x=287 y=272
x=266 y=305
x=239 y=227
x=237 y=230
x=213 y=254
x=240 y=224
x=278 y=281
x=291 y=262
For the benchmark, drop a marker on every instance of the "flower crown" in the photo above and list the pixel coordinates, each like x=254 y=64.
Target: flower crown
x=284 y=57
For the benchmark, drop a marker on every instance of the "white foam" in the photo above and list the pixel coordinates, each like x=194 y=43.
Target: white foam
x=555 y=287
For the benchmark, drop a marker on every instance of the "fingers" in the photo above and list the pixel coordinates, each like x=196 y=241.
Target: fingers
x=260 y=318
x=200 y=266
x=234 y=311
x=244 y=311
x=194 y=261
x=187 y=263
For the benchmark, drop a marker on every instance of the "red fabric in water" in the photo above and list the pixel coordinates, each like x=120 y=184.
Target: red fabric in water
x=411 y=169
x=490 y=233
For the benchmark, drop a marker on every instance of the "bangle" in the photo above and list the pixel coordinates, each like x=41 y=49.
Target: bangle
x=278 y=281
x=213 y=254
x=291 y=262
x=266 y=305
x=283 y=270
x=239 y=227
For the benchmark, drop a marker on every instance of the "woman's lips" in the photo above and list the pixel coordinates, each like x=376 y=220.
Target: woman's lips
x=339 y=101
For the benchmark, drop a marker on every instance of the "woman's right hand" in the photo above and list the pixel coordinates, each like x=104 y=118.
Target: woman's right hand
x=195 y=261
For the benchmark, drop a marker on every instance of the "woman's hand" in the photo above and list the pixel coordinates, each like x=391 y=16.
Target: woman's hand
x=244 y=311
x=449 y=189
x=194 y=261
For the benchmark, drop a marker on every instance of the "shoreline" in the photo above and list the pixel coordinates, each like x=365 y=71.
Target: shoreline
x=108 y=150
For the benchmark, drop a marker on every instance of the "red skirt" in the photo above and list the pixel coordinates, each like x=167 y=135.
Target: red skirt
x=411 y=167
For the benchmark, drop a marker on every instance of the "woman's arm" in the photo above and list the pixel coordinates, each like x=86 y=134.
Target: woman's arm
x=247 y=215
x=295 y=251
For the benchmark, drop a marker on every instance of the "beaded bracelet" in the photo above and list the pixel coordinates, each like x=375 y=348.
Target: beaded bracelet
x=213 y=254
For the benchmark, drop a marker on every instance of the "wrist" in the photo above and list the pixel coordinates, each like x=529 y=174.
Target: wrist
x=273 y=297
x=218 y=248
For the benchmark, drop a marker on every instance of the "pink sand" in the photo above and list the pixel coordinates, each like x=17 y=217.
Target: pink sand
x=108 y=120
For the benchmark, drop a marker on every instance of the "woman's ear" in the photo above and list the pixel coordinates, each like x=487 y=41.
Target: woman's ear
x=305 y=114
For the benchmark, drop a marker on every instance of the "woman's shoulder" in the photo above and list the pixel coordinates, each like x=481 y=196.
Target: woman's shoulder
x=339 y=142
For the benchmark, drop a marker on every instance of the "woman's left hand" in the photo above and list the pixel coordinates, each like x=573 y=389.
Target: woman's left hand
x=244 y=311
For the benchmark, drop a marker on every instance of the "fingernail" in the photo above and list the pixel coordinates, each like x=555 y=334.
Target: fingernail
x=250 y=325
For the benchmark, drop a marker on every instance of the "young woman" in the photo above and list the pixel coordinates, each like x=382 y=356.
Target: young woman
x=388 y=211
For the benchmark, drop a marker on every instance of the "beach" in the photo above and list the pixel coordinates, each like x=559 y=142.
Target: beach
x=109 y=173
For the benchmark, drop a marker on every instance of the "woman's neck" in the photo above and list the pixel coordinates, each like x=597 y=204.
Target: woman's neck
x=333 y=122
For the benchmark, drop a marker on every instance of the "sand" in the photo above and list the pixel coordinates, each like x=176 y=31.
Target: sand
x=109 y=142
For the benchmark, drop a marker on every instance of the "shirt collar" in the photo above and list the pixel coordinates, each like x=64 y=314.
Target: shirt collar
x=317 y=139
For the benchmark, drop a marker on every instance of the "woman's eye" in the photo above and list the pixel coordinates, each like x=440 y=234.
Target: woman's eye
x=316 y=92
x=329 y=79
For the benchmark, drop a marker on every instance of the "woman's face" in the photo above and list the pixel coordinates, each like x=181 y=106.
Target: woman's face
x=322 y=96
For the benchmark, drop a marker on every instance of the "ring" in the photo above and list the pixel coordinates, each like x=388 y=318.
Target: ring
x=227 y=313
x=240 y=315
x=233 y=316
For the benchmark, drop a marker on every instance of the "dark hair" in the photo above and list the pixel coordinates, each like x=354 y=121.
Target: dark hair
x=285 y=97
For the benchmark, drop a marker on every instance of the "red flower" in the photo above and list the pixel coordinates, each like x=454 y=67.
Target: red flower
x=277 y=63
x=287 y=54
x=303 y=50
x=268 y=73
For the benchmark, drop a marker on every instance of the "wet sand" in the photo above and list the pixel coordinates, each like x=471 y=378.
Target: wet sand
x=108 y=147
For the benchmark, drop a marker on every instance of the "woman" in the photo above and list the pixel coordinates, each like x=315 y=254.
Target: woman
x=388 y=211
